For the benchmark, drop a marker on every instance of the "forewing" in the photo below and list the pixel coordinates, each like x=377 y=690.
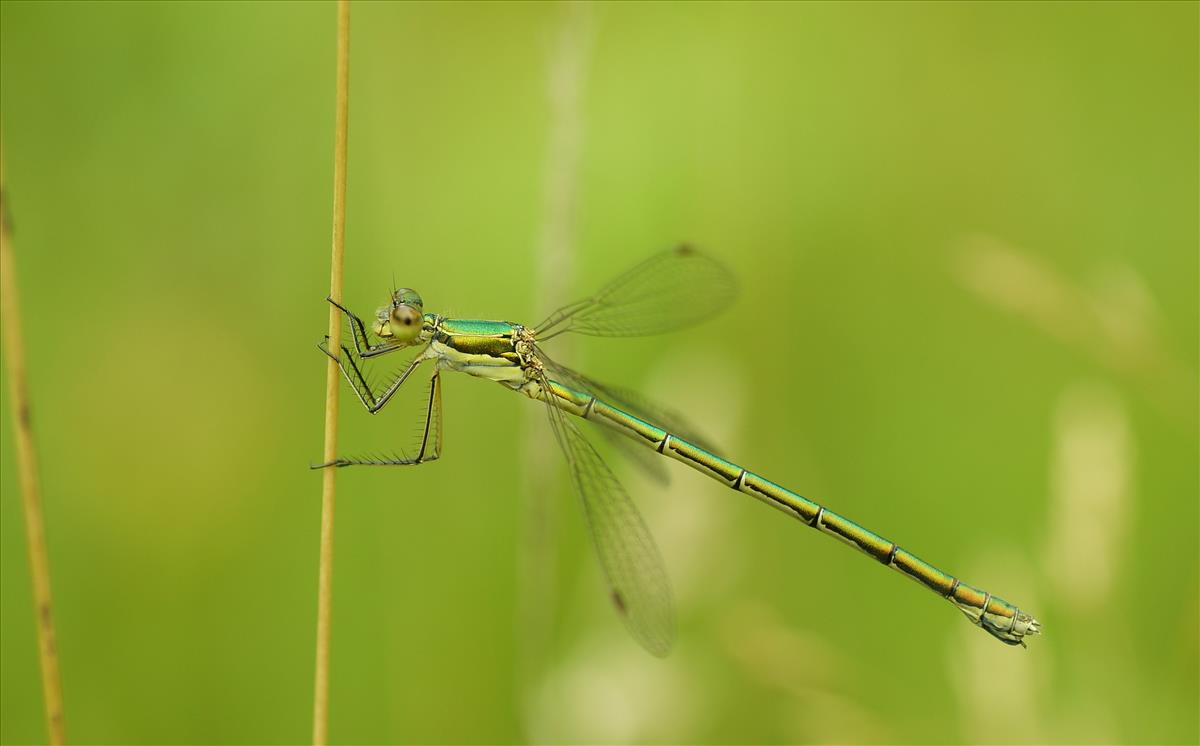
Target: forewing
x=668 y=291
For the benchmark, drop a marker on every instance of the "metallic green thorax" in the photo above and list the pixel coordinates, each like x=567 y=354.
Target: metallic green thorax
x=506 y=353
x=487 y=349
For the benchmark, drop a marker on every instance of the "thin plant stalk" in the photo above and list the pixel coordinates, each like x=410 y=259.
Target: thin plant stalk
x=328 y=485
x=27 y=470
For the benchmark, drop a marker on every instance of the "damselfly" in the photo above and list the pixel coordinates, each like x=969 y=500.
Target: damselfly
x=671 y=290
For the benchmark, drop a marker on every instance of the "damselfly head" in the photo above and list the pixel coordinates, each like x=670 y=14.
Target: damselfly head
x=402 y=318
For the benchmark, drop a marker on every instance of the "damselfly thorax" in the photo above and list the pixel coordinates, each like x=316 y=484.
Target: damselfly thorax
x=498 y=351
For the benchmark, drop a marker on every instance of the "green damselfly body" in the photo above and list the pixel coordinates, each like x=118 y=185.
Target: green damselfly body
x=671 y=290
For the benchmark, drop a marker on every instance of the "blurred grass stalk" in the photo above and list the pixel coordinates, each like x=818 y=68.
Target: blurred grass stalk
x=325 y=573
x=31 y=499
x=556 y=247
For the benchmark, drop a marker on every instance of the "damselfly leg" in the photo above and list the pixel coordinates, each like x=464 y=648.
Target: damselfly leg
x=430 y=448
x=358 y=332
x=366 y=393
x=350 y=364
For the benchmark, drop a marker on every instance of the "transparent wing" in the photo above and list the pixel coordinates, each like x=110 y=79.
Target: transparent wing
x=637 y=579
x=628 y=400
x=651 y=464
x=670 y=290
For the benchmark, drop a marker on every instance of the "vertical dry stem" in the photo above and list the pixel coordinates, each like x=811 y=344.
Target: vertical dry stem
x=31 y=498
x=325 y=574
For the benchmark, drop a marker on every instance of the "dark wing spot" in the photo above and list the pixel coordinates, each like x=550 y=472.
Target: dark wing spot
x=619 y=601
x=684 y=249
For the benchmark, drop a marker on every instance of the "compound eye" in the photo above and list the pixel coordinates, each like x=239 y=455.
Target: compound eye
x=407 y=297
x=405 y=323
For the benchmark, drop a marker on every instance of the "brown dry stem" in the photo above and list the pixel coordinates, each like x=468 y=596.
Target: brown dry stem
x=27 y=470
x=325 y=574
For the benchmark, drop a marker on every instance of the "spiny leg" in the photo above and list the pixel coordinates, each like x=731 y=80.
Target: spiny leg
x=372 y=401
x=431 y=435
x=353 y=375
x=433 y=421
x=358 y=331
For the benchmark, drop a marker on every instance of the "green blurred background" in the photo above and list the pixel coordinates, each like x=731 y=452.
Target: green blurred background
x=967 y=241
